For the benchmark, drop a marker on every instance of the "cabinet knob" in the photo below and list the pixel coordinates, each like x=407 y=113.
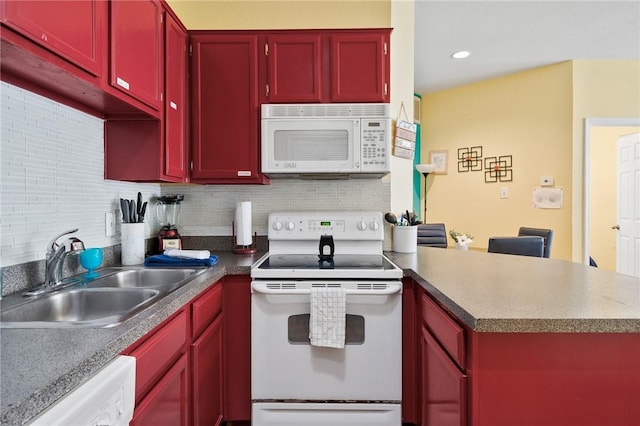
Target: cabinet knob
x=616 y=227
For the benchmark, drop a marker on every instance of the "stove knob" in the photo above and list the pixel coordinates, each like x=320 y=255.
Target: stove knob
x=374 y=225
x=277 y=225
x=290 y=226
x=362 y=225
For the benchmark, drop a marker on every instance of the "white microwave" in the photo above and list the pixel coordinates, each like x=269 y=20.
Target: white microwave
x=325 y=140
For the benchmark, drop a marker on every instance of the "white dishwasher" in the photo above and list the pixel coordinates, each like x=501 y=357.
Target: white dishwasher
x=105 y=399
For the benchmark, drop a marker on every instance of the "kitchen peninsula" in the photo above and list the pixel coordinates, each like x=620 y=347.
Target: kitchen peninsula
x=509 y=340
x=537 y=337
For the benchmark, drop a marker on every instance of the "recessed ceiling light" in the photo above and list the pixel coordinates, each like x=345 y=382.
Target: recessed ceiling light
x=460 y=54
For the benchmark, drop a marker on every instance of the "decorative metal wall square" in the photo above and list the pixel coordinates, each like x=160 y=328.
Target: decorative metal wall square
x=470 y=159
x=498 y=169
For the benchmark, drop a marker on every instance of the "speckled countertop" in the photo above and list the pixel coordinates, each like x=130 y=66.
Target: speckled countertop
x=489 y=292
x=504 y=293
x=38 y=366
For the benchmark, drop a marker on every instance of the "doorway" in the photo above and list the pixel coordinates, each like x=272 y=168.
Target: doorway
x=599 y=235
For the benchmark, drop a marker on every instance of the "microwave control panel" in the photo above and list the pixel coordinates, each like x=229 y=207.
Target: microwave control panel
x=375 y=144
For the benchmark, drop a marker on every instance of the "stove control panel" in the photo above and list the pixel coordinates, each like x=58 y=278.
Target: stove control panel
x=311 y=225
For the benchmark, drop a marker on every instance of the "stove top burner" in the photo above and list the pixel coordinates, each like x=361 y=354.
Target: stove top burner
x=339 y=261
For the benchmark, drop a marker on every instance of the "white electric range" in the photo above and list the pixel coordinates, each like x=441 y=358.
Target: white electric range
x=297 y=383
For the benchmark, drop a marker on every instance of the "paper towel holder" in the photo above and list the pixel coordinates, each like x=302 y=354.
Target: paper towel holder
x=238 y=249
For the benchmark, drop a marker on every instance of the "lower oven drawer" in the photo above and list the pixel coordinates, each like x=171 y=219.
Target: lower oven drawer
x=330 y=414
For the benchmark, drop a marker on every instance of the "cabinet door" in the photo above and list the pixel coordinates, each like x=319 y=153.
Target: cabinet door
x=294 y=68
x=444 y=386
x=237 y=347
x=207 y=385
x=167 y=402
x=225 y=109
x=175 y=116
x=136 y=49
x=72 y=29
x=360 y=67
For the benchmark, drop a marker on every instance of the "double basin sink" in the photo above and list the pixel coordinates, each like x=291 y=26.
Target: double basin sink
x=115 y=296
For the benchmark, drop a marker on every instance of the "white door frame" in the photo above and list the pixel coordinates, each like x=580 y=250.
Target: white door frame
x=588 y=124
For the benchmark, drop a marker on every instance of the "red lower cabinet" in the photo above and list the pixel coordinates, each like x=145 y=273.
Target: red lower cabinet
x=444 y=386
x=206 y=353
x=237 y=348
x=207 y=359
x=165 y=404
x=179 y=366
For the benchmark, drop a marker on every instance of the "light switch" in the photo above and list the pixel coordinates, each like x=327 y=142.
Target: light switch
x=504 y=192
x=109 y=224
x=546 y=181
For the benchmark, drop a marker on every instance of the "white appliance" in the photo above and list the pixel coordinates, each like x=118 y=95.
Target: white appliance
x=303 y=140
x=295 y=383
x=105 y=399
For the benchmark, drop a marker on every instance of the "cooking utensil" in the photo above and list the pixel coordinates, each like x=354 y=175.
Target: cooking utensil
x=143 y=210
x=391 y=218
x=132 y=212
x=139 y=204
x=124 y=206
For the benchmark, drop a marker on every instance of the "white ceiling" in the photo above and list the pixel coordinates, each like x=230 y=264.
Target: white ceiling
x=513 y=35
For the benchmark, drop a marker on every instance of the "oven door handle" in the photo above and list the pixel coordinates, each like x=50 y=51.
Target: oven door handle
x=263 y=289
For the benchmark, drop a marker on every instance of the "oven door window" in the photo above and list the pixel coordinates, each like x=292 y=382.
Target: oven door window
x=298 y=329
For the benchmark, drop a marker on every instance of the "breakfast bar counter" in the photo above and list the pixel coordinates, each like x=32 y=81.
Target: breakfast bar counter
x=492 y=292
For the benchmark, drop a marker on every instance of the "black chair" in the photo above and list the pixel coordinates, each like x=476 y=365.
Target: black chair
x=522 y=246
x=547 y=234
x=432 y=235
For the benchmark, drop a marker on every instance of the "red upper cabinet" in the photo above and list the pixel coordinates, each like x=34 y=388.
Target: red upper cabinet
x=136 y=50
x=294 y=63
x=305 y=66
x=175 y=103
x=225 y=112
x=73 y=29
x=360 y=66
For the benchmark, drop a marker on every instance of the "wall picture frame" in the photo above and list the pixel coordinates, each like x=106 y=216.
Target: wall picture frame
x=440 y=159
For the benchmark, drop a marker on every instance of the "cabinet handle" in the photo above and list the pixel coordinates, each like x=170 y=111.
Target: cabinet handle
x=616 y=227
x=266 y=89
x=122 y=83
x=384 y=48
x=244 y=173
x=385 y=89
x=266 y=49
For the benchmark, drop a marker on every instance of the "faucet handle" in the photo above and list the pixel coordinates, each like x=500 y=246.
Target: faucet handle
x=52 y=244
x=74 y=244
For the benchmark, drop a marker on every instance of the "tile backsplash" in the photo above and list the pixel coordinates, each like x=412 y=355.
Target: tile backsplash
x=52 y=179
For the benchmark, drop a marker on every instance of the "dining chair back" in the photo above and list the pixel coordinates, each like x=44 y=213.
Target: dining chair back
x=522 y=246
x=432 y=235
x=546 y=234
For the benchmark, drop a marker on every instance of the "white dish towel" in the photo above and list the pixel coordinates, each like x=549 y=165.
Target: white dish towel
x=188 y=254
x=327 y=320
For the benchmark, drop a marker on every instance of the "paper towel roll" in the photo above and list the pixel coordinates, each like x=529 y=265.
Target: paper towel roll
x=243 y=223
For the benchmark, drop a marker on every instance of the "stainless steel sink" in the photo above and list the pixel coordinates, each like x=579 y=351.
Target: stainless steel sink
x=114 y=297
x=95 y=307
x=164 y=279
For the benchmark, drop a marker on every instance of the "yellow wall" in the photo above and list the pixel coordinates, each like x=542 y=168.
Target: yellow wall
x=282 y=14
x=527 y=115
x=602 y=89
x=602 y=194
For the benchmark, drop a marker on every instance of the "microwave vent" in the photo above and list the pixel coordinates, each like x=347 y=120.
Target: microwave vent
x=325 y=110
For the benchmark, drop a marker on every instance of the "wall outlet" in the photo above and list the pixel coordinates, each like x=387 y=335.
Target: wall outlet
x=109 y=224
x=504 y=192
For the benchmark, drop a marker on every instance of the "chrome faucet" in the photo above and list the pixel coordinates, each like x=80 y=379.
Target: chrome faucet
x=55 y=255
